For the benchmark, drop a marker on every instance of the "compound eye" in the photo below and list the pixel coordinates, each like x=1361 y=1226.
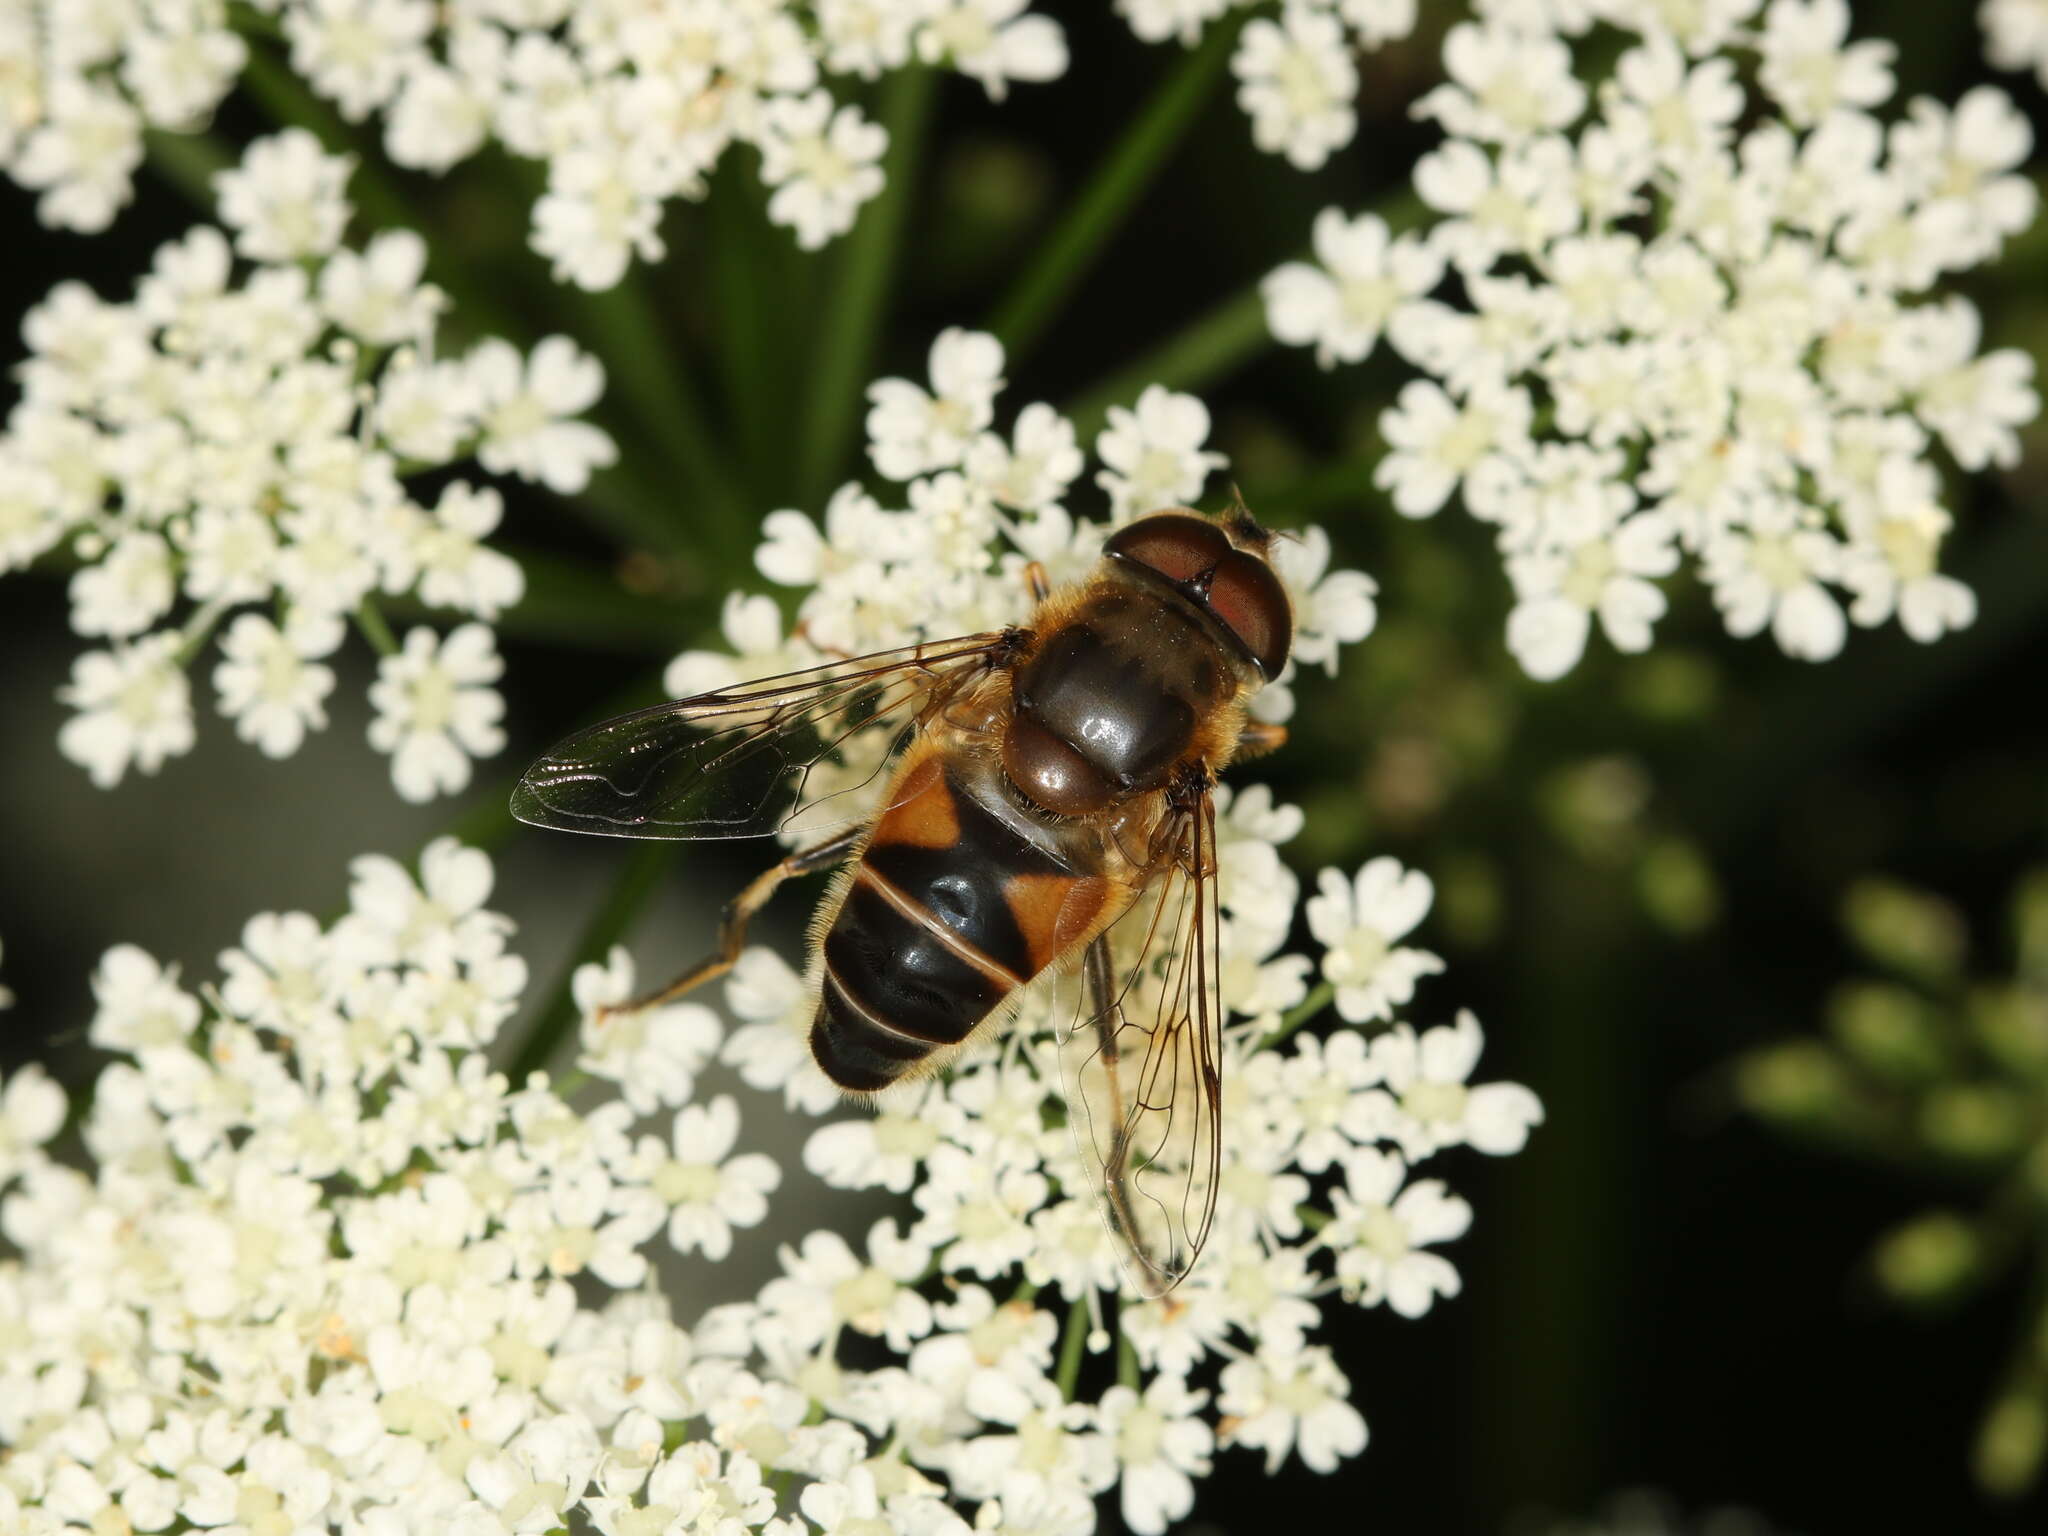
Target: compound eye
x=1247 y=596
x=1177 y=545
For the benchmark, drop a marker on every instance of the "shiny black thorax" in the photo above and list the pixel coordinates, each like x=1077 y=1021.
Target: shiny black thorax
x=1128 y=680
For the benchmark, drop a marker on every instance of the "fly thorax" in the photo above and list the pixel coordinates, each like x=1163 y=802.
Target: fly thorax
x=1092 y=690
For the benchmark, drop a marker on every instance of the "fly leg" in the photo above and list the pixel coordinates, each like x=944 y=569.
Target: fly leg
x=1258 y=738
x=732 y=927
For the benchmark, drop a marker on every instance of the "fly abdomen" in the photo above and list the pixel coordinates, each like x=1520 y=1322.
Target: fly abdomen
x=858 y=1048
x=904 y=985
x=946 y=914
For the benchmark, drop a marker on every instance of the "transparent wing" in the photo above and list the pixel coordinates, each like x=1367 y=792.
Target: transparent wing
x=789 y=753
x=1141 y=1064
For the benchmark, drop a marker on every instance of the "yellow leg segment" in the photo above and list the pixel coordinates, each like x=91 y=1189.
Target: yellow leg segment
x=732 y=927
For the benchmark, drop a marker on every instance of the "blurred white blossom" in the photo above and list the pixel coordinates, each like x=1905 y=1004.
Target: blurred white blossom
x=231 y=450
x=436 y=709
x=320 y=1264
x=2016 y=35
x=1295 y=62
x=1690 y=319
x=1357 y=922
x=630 y=106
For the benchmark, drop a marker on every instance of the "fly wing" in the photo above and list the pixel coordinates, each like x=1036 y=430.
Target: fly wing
x=791 y=753
x=1141 y=1064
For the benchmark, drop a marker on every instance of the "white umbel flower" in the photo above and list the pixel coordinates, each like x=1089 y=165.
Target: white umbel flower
x=357 y=52
x=31 y=1113
x=912 y=432
x=2016 y=35
x=826 y=1286
x=1341 y=305
x=436 y=709
x=385 y=1267
x=1297 y=84
x=1380 y=1229
x=993 y=41
x=1153 y=455
x=81 y=155
x=1163 y=1447
x=134 y=709
x=1673 y=297
x=239 y=435
x=1431 y=1105
x=525 y=408
x=271 y=682
x=377 y=295
x=1358 y=923
x=823 y=165
x=1296 y=1403
x=653 y=1054
x=628 y=111
x=1810 y=66
x=285 y=201
x=706 y=1189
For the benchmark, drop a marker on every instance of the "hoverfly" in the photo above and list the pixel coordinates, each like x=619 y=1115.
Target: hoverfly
x=1040 y=784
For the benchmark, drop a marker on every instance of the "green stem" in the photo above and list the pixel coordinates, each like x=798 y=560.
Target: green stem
x=1346 y=483
x=641 y=354
x=866 y=258
x=635 y=508
x=738 y=237
x=189 y=162
x=558 y=1020
x=1112 y=192
x=1299 y=1014
x=246 y=18
x=1071 y=1344
x=371 y=622
x=1225 y=338
x=197 y=628
x=1126 y=1360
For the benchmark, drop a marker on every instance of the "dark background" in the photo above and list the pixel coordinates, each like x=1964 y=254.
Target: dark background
x=1659 y=1292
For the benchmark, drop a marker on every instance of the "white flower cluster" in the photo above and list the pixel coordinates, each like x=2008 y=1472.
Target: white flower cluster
x=1684 y=321
x=1296 y=68
x=935 y=566
x=320 y=1276
x=629 y=104
x=2016 y=35
x=79 y=83
x=323 y=1271
x=238 y=436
